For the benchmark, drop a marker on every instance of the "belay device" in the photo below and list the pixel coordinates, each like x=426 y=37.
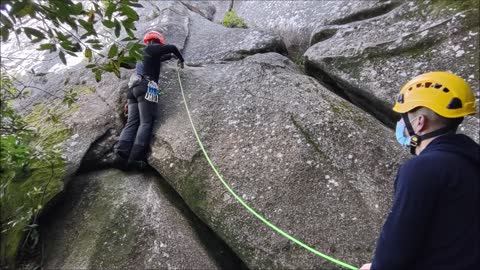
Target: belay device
x=152 y=92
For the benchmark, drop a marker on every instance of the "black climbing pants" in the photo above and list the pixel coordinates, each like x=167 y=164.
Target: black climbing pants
x=135 y=137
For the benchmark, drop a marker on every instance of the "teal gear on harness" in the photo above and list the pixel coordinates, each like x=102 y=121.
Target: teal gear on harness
x=152 y=92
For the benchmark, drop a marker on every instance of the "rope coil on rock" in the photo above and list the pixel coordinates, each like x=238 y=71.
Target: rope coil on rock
x=239 y=199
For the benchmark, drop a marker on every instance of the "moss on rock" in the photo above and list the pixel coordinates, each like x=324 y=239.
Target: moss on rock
x=27 y=192
x=194 y=191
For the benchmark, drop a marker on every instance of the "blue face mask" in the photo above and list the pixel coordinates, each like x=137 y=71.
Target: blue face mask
x=400 y=134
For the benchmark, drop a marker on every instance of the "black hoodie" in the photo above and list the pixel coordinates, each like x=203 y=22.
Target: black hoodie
x=435 y=218
x=153 y=55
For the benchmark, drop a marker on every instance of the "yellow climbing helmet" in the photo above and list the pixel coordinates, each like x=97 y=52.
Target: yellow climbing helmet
x=442 y=92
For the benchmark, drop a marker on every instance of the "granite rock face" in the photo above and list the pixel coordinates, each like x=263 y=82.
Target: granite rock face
x=295 y=21
x=367 y=62
x=311 y=163
x=116 y=220
x=211 y=42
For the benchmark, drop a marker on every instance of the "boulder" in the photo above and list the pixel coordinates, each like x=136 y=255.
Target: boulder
x=295 y=21
x=313 y=164
x=211 y=42
x=203 y=8
x=168 y=17
x=367 y=62
x=117 y=220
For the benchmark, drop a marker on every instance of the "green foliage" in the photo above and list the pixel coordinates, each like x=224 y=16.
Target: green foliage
x=231 y=20
x=299 y=60
x=457 y=5
x=31 y=168
x=73 y=28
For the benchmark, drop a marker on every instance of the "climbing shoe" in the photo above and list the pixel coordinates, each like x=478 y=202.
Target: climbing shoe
x=120 y=162
x=139 y=165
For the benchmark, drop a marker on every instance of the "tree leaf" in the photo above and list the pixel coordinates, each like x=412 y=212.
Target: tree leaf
x=128 y=24
x=46 y=46
x=108 y=24
x=113 y=51
x=128 y=39
x=129 y=12
x=88 y=54
x=92 y=41
x=98 y=75
x=71 y=53
x=23 y=9
x=69 y=46
x=110 y=9
x=19 y=5
x=130 y=33
x=128 y=60
x=116 y=71
x=87 y=26
x=6 y=21
x=33 y=32
x=72 y=24
x=97 y=9
x=61 y=54
x=5 y=32
x=61 y=36
x=118 y=27
x=108 y=67
x=76 y=9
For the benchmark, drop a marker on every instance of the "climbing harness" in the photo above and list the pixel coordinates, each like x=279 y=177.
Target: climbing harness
x=135 y=80
x=152 y=92
x=239 y=199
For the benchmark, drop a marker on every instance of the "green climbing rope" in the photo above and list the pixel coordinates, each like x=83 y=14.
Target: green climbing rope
x=260 y=217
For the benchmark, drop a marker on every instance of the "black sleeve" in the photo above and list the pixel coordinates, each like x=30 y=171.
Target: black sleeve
x=165 y=57
x=173 y=49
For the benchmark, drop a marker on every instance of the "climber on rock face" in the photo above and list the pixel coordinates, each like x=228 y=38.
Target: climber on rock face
x=142 y=97
x=434 y=222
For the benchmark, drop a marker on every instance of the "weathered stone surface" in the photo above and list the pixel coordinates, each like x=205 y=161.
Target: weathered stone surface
x=212 y=42
x=294 y=21
x=369 y=61
x=313 y=164
x=122 y=221
x=203 y=8
x=168 y=17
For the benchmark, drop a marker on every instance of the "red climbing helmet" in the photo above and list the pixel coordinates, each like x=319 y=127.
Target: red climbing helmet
x=154 y=35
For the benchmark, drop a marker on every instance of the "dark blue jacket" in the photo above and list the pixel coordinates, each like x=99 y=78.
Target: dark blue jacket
x=434 y=222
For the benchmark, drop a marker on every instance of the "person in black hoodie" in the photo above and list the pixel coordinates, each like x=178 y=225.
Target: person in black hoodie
x=135 y=137
x=434 y=222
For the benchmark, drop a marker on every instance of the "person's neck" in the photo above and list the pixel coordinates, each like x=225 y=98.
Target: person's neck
x=424 y=143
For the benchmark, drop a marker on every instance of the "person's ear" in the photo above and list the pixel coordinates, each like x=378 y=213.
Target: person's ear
x=420 y=124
